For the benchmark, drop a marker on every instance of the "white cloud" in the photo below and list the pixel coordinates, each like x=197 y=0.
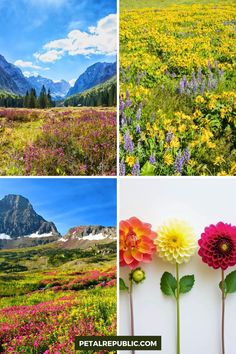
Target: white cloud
x=100 y=39
x=50 y=56
x=26 y=64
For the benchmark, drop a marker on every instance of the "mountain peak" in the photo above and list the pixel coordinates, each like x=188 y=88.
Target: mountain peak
x=94 y=75
x=19 y=219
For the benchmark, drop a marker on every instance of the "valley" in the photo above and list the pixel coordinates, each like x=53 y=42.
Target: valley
x=54 y=129
x=52 y=291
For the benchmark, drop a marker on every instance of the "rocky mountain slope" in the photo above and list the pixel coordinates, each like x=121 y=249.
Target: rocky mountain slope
x=58 y=89
x=88 y=236
x=94 y=75
x=19 y=221
x=12 y=78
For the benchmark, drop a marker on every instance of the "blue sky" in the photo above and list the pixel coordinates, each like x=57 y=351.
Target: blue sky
x=58 y=39
x=67 y=202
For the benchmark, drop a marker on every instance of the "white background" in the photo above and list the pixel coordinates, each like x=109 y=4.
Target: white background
x=199 y=201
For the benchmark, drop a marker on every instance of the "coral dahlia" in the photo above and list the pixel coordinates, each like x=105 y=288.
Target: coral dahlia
x=176 y=242
x=218 y=245
x=136 y=242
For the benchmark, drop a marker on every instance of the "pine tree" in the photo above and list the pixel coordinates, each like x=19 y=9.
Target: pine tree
x=43 y=100
x=26 y=99
x=32 y=99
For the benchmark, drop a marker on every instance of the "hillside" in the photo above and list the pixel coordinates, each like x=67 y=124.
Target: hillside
x=93 y=75
x=9 y=99
x=100 y=95
x=12 y=78
x=47 y=292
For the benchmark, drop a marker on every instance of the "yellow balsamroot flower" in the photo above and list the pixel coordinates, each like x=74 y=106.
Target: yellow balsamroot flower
x=222 y=173
x=219 y=160
x=175 y=143
x=199 y=99
x=168 y=159
x=176 y=242
x=130 y=160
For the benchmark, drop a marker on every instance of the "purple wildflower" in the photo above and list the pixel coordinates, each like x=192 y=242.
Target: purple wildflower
x=138 y=129
x=128 y=145
x=122 y=168
x=179 y=164
x=136 y=169
x=138 y=114
x=152 y=159
x=123 y=119
x=122 y=105
x=169 y=137
x=186 y=156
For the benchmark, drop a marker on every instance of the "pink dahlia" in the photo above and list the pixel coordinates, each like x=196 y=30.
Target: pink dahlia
x=218 y=245
x=136 y=242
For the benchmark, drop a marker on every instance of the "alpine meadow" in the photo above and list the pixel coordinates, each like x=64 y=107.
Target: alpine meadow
x=178 y=88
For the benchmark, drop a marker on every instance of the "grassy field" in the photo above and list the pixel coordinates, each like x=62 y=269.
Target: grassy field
x=178 y=89
x=58 y=141
x=138 y=4
x=49 y=295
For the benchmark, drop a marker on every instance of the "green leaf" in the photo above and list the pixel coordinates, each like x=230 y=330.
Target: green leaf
x=123 y=286
x=186 y=283
x=230 y=283
x=148 y=169
x=168 y=284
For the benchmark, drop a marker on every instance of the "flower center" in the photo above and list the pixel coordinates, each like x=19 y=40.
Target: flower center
x=131 y=239
x=224 y=246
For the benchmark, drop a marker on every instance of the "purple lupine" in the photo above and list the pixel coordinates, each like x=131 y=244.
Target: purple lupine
x=169 y=137
x=138 y=114
x=152 y=159
x=138 y=129
x=140 y=105
x=186 y=156
x=128 y=143
x=127 y=94
x=179 y=164
x=122 y=105
x=181 y=87
x=122 y=168
x=136 y=169
x=128 y=103
x=123 y=119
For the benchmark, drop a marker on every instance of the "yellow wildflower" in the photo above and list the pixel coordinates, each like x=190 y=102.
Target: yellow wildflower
x=168 y=159
x=130 y=160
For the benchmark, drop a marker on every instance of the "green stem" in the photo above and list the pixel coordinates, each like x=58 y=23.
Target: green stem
x=223 y=313
x=131 y=310
x=178 y=310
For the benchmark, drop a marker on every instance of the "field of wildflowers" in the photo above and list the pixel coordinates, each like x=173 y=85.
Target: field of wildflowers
x=43 y=309
x=178 y=90
x=57 y=141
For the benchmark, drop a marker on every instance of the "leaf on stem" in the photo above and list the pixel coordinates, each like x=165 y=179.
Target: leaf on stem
x=168 y=284
x=230 y=283
x=186 y=283
x=123 y=286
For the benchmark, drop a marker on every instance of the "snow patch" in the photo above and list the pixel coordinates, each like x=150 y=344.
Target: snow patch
x=5 y=237
x=96 y=237
x=62 y=239
x=37 y=235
